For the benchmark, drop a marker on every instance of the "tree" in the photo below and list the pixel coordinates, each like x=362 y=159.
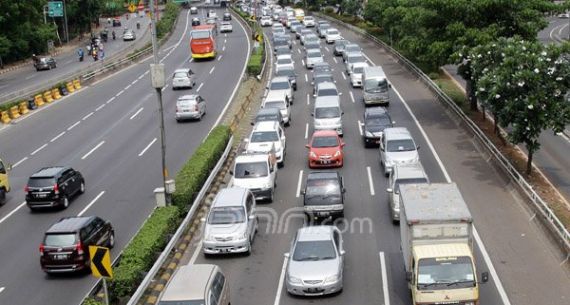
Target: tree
x=524 y=84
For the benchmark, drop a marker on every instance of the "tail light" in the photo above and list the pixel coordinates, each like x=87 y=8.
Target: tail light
x=56 y=189
x=42 y=247
x=79 y=248
x=26 y=189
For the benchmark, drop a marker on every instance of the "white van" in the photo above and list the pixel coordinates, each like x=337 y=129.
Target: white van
x=397 y=146
x=375 y=86
x=278 y=99
x=256 y=172
x=327 y=114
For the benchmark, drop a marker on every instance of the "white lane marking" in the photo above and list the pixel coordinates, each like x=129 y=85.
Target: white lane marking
x=87 y=116
x=562 y=29
x=57 y=137
x=294 y=43
x=306 y=130
x=327 y=48
x=127 y=87
x=100 y=107
x=360 y=127
x=92 y=150
x=142 y=75
x=370 y=181
x=19 y=162
x=119 y=93
x=136 y=113
x=220 y=57
x=73 y=126
x=147 y=147
x=90 y=204
x=351 y=96
x=199 y=87
x=212 y=70
x=306 y=78
x=299 y=184
x=2 y=289
x=196 y=252
x=12 y=212
x=281 y=280
x=561 y=134
x=343 y=76
x=384 y=279
x=303 y=61
x=37 y=150
x=486 y=258
x=31 y=76
x=335 y=61
x=298 y=50
x=134 y=82
x=224 y=48
x=191 y=60
x=110 y=100
x=308 y=99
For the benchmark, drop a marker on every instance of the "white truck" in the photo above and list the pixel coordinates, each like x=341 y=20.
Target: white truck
x=437 y=243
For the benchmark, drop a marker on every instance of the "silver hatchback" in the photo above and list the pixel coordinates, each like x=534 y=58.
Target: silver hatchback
x=190 y=107
x=316 y=262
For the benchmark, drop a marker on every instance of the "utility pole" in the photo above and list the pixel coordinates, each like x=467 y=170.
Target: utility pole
x=65 y=22
x=158 y=82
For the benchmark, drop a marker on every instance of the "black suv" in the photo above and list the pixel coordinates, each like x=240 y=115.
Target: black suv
x=376 y=119
x=53 y=187
x=65 y=247
x=227 y=17
x=324 y=195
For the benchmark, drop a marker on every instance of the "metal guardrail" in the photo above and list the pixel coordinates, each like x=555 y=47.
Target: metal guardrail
x=551 y=220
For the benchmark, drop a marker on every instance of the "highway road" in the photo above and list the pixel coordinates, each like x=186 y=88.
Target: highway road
x=27 y=78
x=109 y=132
x=556 y=32
x=525 y=268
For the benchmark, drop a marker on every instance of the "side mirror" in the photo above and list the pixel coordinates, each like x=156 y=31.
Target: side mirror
x=418 y=147
x=286 y=255
x=307 y=146
x=246 y=140
x=203 y=219
x=389 y=190
x=342 y=144
x=312 y=114
x=408 y=276
x=8 y=167
x=231 y=172
x=303 y=192
x=484 y=277
x=343 y=190
x=251 y=123
x=342 y=252
x=251 y=217
x=389 y=85
x=342 y=113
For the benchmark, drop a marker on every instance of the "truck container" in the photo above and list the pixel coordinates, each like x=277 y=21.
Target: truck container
x=436 y=230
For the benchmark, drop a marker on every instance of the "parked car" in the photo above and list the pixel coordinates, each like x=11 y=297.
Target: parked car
x=183 y=78
x=231 y=223
x=129 y=35
x=326 y=149
x=190 y=107
x=323 y=196
x=315 y=262
x=397 y=147
x=376 y=119
x=65 y=246
x=52 y=187
x=332 y=35
x=226 y=26
x=313 y=56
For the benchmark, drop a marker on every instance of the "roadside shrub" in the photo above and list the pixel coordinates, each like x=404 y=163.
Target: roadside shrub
x=7 y=106
x=165 y=24
x=91 y=301
x=194 y=173
x=140 y=254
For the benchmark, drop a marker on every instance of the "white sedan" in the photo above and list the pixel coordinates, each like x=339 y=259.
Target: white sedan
x=226 y=26
x=332 y=35
x=284 y=60
x=265 y=21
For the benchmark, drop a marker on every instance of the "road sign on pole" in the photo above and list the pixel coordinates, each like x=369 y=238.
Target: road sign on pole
x=55 y=8
x=100 y=262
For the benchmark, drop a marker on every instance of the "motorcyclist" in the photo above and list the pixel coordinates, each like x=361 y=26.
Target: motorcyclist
x=80 y=54
x=35 y=58
x=114 y=35
x=138 y=25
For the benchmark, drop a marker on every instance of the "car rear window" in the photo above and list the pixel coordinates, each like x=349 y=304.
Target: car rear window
x=41 y=182
x=60 y=240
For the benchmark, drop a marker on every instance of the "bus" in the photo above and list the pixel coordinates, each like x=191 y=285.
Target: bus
x=203 y=41
x=299 y=14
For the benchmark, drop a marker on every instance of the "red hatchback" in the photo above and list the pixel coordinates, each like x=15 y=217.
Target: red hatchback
x=325 y=149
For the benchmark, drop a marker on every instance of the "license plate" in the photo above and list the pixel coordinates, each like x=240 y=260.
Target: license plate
x=314 y=290
x=322 y=214
x=377 y=141
x=41 y=195
x=59 y=257
x=325 y=161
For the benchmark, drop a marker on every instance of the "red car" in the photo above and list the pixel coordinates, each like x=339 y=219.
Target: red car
x=325 y=149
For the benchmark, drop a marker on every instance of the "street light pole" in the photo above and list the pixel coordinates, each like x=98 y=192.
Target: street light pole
x=65 y=22
x=157 y=77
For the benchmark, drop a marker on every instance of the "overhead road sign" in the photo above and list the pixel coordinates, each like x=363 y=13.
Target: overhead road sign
x=55 y=8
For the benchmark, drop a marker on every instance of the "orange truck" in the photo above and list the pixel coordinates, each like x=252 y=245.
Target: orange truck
x=203 y=41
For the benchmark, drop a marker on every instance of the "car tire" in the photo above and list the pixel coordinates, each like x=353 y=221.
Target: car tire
x=111 y=241
x=82 y=187
x=65 y=203
x=248 y=252
x=270 y=200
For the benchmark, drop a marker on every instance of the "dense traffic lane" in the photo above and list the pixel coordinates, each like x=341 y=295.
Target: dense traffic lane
x=68 y=62
x=125 y=168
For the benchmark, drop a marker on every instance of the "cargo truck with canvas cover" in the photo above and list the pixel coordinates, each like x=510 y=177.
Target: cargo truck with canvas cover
x=436 y=231
x=203 y=41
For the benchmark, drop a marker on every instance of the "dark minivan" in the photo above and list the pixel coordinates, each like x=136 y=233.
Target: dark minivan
x=65 y=247
x=324 y=195
x=376 y=119
x=53 y=187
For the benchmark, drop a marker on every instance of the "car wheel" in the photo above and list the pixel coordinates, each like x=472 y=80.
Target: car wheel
x=82 y=187
x=54 y=66
x=248 y=252
x=65 y=203
x=111 y=241
x=271 y=196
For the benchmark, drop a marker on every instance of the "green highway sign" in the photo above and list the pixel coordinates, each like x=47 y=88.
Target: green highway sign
x=55 y=8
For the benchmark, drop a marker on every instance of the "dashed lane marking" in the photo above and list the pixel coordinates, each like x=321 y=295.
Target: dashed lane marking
x=90 y=204
x=136 y=113
x=147 y=147
x=371 y=184
x=20 y=162
x=92 y=150
x=38 y=150
x=57 y=137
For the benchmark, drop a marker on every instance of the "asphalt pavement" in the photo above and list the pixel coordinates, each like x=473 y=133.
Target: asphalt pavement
x=525 y=267
x=27 y=78
x=557 y=31
x=109 y=132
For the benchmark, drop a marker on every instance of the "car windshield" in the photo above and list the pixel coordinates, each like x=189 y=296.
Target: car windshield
x=352 y=48
x=341 y=43
x=327 y=112
x=332 y=32
x=282 y=50
x=443 y=273
x=192 y=302
x=41 y=182
x=378 y=121
x=279 y=85
x=320 y=68
x=324 y=78
x=407 y=181
x=400 y=145
x=375 y=85
x=311 y=38
x=226 y=215
x=358 y=70
x=250 y=170
x=285 y=72
x=314 y=250
x=324 y=26
x=264 y=136
x=266 y=117
x=280 y=42
x=180 y=75
x=328 y=141
x=314 y=54
x=202 y=34
x=275 y=104
x=355 y=58
x=284 y=61
x=60 y=240
x=327 y=92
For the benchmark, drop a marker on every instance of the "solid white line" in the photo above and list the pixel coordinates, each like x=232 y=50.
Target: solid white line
x=136 y=113
x=306 y=130
x=90 y=204
x=308 y=99
x=119 y=93
x=303 y=61
x=212 y=70
x=335 y=61
x=220 y=57
x=2 y=289
x=92 y=150
x=298 y=50
x=343 y=76
x=199 y=87
x=57 y=137
x=87 y=116
x=142 y=75
x=100 y=107
x=19 y=162
x=281 y=280
x=110 y=100
x=326 y=48
x=147 y=147
x=72 y=126
x=299 y=184
x=37 y=150
x=351 y=96
x=306 y=78
x=12 y=212
x=384 y=279
x=127 y=87
x=196 y=252
x=134 y=82
x=370 y=181
x=360 y=127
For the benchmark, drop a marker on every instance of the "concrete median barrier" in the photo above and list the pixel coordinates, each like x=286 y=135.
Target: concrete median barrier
x=39 y=100
x=70 y=87
x=47 y=97
x=76 y=84
x=23 y=108
x=55 y=94
x=14 y=112
x=5 y=117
